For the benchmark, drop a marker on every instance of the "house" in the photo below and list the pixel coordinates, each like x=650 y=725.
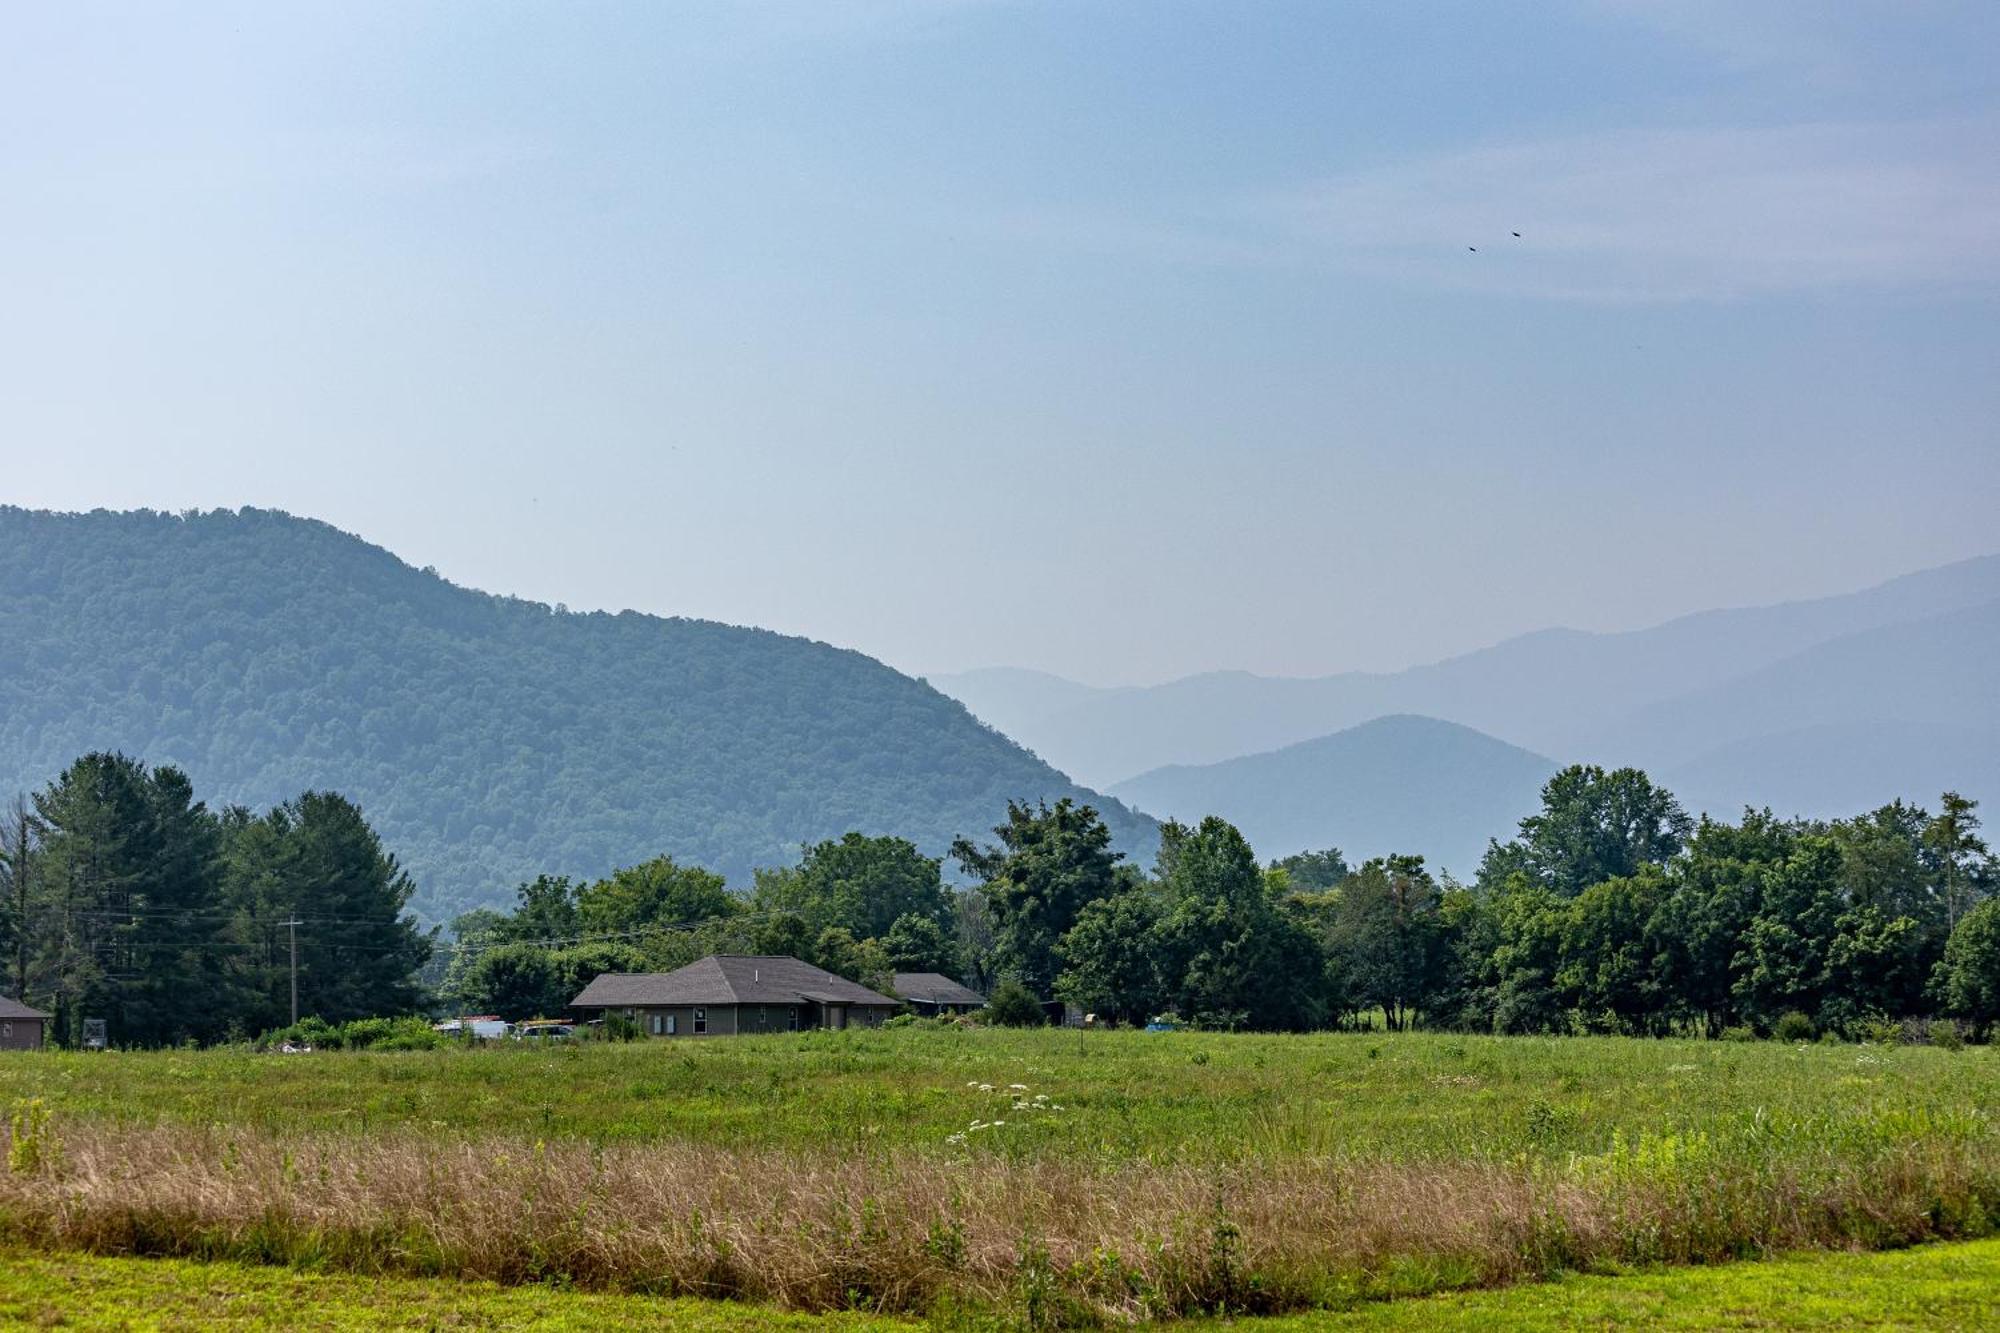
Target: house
x=728 y=994
x=935 y=993
x=21 y=1028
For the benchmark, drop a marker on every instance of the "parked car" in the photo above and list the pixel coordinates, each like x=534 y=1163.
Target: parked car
x=545 y=1030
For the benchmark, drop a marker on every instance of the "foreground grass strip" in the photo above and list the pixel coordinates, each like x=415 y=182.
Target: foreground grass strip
x=1930 y=1289
x=80 y=1292
x=1933 y=1289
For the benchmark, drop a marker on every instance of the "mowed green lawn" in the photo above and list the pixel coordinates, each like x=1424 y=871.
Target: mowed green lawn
x=1124 y=1096
x=1936 y=1287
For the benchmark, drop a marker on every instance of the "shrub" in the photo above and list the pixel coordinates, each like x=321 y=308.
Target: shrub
x=1015 y=1006
x=1944 y=1035
x=1793 y=1026
x=1742 y=1032
x=617 y=1027
x=408 y=1033
x=1877 y=1030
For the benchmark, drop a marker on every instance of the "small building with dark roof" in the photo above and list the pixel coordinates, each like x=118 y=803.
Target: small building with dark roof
x=21 y=1028
x=731 y=994
x=936 y=993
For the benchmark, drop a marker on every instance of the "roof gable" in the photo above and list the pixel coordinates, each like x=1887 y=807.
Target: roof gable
x=934 y=988
x=728 y=979
x=10 y=1009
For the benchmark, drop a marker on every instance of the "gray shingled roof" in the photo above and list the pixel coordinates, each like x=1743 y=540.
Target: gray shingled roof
x=727 y=979
x=934 y=988
x=15 y=1009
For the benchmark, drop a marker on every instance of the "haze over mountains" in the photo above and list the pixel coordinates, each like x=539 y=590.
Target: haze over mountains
x=1812 y=707
x=488 y=739
x=1399 y=783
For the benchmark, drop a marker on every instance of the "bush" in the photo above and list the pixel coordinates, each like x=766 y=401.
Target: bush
x=1944 y=1035
x=1793 y=1026
x=363 y=1034
x=1742 y=1032
x=1876 y=1030
x=616 y=1027
x=1014 y=1005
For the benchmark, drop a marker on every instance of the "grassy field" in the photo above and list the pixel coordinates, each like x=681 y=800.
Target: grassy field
x=1062 y=1178
x=1931 y=1289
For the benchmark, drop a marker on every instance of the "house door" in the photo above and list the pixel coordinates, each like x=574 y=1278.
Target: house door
x=836 y=1015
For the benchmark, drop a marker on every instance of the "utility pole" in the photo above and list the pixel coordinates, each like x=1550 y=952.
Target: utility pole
x=292 y=928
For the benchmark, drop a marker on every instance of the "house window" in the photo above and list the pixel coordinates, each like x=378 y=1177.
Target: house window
x=795 y=1018
x=659 y=1025
x=700 y=1021
x=6 y=1029
x=673 y=1024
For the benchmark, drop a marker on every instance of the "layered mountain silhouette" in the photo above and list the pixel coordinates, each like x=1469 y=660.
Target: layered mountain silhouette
x=1815 y=707
x=1396 y=784
x=488 y=739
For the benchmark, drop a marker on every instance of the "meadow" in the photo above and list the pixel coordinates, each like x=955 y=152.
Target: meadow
x=1058 y=1177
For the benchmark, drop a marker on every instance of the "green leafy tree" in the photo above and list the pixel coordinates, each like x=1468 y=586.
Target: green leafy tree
x=1613 y=969
x=655 y=894
x=546 y=909
x=1313 y=871
x=1595 y=826
x=1111 y=960
x=865 y=884
x=1717 y=893
x=919 y=944
x=864 y=962
x=1228 y=954
x=1968 y=980
x=517 y=981
x=1051 y=862
x=1784 y=962
x=1390 y=939
x=1529 y=923
x=1014 y=1006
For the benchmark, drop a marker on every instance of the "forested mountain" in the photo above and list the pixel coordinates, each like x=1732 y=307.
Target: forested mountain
x=1560 y=692
x=1397 y=784
x=487 y=739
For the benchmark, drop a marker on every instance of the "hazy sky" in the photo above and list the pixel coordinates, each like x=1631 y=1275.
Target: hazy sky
x=1122 y=340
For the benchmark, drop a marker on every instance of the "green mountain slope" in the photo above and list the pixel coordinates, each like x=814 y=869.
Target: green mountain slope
x=1396 y=784
x=487 y=738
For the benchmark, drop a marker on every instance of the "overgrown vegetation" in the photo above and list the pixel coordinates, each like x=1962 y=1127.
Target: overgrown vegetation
x=925 y=1169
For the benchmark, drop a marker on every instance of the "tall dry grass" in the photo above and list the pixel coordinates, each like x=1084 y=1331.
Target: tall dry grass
x=906 y=1232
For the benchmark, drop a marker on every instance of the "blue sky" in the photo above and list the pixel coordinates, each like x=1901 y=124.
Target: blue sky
x=1118 y=340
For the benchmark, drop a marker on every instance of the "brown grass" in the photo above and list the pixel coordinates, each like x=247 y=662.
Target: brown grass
x=906 y=1232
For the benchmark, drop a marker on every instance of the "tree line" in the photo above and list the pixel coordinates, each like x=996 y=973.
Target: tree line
x=1612 y=911
x=127 y=899
x=124 y=898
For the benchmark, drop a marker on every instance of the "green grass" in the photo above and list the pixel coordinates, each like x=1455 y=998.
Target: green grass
x=84 y=1292
x=1937 y=1287
x=1127 y=1096
x=1134 y=1174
